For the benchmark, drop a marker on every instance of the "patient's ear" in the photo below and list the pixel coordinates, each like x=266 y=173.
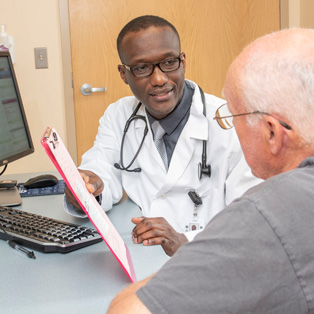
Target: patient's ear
x=121 y=70
x=274 y=134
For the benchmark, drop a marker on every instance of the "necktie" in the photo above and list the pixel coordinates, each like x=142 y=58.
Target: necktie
x=159 y=132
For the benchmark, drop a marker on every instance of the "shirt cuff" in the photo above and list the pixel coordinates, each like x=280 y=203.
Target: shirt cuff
x=70 y=209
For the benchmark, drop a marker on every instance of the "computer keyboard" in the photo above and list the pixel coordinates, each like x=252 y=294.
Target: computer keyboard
x=50 y=190
x=42 y=233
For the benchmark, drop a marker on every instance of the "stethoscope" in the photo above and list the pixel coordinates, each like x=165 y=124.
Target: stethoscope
x=203 y=168
x=133 y=117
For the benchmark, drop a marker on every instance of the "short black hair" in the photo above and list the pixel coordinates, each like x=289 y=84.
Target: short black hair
x=143 y=22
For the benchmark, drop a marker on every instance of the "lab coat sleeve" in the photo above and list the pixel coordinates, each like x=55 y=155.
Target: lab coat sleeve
x=105 y=152
x=70 y=209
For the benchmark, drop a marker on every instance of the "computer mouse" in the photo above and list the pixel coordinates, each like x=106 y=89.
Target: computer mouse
x=41 y=181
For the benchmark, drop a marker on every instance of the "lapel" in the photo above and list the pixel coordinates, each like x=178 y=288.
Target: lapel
x=195 y=130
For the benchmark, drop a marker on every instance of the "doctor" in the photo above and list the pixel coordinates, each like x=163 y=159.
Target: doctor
x=198 y=170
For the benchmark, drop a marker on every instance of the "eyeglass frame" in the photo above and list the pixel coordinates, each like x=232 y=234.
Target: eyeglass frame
x=285 y=125
x=180 y=58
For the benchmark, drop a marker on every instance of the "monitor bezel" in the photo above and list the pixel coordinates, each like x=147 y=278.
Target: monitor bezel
x=30 y=150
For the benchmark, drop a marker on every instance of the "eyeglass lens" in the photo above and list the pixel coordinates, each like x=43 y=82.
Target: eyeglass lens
x=221 y=114
x=147 y=69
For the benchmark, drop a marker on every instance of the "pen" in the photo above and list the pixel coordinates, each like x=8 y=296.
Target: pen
x=22 y=249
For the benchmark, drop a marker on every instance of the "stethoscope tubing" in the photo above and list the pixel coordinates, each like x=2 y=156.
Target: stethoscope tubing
x=134 y=116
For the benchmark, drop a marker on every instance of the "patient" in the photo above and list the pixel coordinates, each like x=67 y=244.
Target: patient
x=257 y=255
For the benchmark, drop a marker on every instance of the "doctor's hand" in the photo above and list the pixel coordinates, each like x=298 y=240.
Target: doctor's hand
x=157 y=231
x=93 y=184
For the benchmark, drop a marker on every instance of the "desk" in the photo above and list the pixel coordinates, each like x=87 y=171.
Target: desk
x=83 y=281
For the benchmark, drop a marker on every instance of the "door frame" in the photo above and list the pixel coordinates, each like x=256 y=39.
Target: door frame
x=67 y=69
x=67 y=79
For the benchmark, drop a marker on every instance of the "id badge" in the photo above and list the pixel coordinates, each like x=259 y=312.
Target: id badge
x=194 y=225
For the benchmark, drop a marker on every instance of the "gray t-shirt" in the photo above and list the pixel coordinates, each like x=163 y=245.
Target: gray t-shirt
x=256 y=256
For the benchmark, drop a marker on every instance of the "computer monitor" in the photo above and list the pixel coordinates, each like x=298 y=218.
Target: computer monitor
x=15 y=137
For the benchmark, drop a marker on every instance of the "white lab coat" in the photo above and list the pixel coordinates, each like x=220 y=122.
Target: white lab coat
x=162 y=194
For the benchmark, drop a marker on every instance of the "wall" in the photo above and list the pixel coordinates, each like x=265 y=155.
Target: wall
x=36 y=23
x=307 y=13
x=297 y=13
x=294 y=13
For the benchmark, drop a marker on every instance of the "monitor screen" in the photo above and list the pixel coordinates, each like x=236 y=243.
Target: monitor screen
x=15 y=138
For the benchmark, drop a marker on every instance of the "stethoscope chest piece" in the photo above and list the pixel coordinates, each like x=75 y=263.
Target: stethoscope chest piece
x=204 y=169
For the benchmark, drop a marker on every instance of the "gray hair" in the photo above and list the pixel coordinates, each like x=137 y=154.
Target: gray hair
x=278 y=78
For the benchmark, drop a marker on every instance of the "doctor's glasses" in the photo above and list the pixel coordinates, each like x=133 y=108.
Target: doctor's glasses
x=147 y=69
x=225 y=118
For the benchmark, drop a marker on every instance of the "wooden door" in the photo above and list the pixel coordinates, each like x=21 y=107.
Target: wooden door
x=212 y=33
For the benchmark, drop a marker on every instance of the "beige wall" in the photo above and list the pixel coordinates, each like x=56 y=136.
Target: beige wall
x=294 y=13
x=307 y=13
x=297 y=13
x=36 y=23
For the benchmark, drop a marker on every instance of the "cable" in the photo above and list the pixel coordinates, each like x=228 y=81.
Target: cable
x=5 y=167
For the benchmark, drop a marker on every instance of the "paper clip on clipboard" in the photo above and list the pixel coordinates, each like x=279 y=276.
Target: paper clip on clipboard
x=63 y=162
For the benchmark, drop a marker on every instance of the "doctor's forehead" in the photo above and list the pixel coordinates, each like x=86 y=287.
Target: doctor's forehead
x=154 y=40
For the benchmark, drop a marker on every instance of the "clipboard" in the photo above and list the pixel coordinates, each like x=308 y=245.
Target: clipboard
x=63 y=162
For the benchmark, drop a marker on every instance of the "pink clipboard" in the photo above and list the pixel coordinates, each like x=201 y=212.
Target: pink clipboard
x=63 y=162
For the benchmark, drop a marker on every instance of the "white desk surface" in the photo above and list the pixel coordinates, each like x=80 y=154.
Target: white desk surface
x=82 y=281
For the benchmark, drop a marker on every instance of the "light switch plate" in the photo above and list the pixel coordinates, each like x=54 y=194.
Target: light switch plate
x=41 y=58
